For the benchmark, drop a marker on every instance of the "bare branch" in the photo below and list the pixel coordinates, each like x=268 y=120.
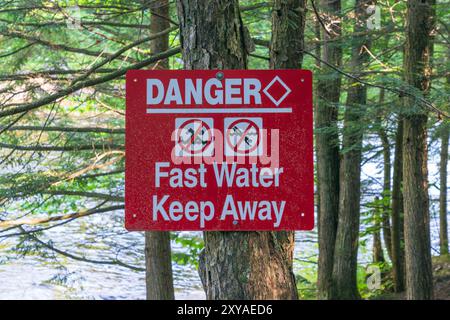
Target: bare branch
x=36 y=221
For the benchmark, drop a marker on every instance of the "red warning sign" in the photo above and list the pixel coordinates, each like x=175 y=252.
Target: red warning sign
x=219 y=150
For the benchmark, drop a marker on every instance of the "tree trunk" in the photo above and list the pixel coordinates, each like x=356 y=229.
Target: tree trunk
x=159 y=22
x=443 y=229
x=288 y=25
x=286 y=52
x=386 y=181
x=398 y=249
x=346 y=247
x=386 y=222
x=327 y=148
x=158 y=260
x=443 y=223
x=417 y=70
x=377 y=249
x=233 y=265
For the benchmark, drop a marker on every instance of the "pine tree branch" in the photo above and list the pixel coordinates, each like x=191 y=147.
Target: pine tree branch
x=88 y=83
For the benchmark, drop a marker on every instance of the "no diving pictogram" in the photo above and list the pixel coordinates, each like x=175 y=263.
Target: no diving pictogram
x=194 y=136
x=243 y=136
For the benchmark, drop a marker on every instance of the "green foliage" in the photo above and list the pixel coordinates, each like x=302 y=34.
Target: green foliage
x=191 y=246
x=41 y=53
x=363 y=278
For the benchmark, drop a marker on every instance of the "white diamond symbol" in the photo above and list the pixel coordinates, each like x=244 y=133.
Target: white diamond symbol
x=266 y=91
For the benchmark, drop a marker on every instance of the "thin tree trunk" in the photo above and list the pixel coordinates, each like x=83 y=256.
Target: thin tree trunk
x=443 y=230
x=386 y=222
x=377 y=249
x=417 y=70
x=347 y=236
x=327 y=148
x=288 y=25
x=443 y=190
x=159 y=279
x=233 y=265
x=386 y=181
x=398 y=250
x=158 y=260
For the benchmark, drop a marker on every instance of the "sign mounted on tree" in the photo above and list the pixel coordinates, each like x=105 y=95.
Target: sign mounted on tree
x=219 y=150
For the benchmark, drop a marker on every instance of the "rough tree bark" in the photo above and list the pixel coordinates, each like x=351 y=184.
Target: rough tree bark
x=286 y=52
x=233 y=265
x=443 y=229
x=347 y=235
x=417 y=71
x=398 y=250
x=288 y=25
x=377 y=248
x=158 y=260
x=327 y=146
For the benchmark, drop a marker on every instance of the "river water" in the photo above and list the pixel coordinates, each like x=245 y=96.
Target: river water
x=103 y=237
x=30 y=277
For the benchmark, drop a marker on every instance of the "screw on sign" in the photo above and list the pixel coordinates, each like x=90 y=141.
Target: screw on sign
x=194 y=136
x=210 y=152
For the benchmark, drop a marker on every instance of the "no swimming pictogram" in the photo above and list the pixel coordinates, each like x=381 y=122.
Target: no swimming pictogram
x=243 y=136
